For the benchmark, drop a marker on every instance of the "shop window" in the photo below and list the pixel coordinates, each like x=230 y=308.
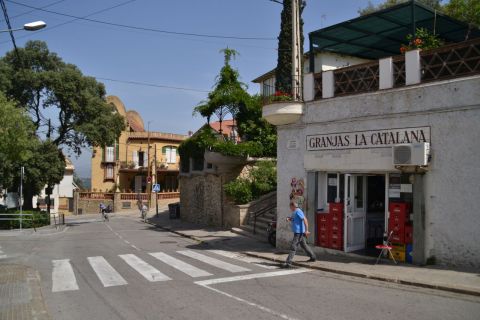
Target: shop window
x=332 y=187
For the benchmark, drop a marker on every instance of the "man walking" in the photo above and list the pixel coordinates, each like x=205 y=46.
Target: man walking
x=300 y=232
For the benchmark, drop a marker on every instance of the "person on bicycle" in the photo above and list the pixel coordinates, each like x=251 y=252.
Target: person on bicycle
x=103 y=212
x=143 y=210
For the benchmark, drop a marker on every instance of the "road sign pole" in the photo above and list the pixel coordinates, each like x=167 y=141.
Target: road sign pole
x=156 y=201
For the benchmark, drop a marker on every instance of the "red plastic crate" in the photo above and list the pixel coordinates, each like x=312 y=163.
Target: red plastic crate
x=396 y=226
x=336 y=234
x=336 y=226
x=323 y=217
x=398 y=237
x=402 y=208
x=408 y=233
x=336 y=244
x=336 y=218
x=335 y=207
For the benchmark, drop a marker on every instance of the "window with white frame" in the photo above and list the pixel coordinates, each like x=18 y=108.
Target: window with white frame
x=170 y=154
x=109 y=154
x=109 y=172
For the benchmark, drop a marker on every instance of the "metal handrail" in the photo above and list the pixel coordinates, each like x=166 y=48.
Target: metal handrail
x=18 y=219
x=259 y=213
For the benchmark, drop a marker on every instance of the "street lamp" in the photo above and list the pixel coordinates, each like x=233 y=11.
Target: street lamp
x=31 y=26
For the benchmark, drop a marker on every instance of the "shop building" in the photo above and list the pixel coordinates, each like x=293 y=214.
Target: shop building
x=390 y=146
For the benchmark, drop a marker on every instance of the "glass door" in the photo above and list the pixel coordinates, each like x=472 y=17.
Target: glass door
x=355 y=212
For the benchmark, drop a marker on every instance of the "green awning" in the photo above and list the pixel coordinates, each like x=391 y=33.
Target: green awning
x=380 y=34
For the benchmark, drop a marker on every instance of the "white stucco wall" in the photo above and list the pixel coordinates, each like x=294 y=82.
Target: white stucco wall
x=451 y=187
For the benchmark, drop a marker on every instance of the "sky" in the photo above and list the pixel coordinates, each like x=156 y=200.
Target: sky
x=165 y=60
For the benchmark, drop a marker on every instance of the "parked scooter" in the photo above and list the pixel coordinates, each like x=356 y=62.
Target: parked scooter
x=272 y=232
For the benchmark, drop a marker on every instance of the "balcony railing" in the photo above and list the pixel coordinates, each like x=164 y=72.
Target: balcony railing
x=451 y=61
x=447 y=62
x=96 y=195
x=357 y=79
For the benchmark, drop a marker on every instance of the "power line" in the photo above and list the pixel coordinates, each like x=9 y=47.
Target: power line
x=143 y=28
x=69 y=21
x=7 y=20
x=151 y=85
x=28 y=12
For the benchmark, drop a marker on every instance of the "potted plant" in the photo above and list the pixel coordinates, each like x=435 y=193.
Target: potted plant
x=423 y=39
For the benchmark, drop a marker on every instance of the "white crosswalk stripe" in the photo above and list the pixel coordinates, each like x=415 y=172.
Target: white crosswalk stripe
x=244 y=258
x=212 y=261
x=180 y=265
x=145 y=269
x=63 y=277
x=105 y=272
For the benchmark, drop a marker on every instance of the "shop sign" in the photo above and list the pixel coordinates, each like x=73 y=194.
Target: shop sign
x=367 y=139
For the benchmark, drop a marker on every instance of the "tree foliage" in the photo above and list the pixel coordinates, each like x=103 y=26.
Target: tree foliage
x=464 y=10
x=17 y=140
x=38 y=79
x=252 y=127
x=229 y=93
x=283 y=72
x=370 y=8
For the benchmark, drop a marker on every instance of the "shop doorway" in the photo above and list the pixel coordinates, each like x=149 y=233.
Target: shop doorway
x=364 y=212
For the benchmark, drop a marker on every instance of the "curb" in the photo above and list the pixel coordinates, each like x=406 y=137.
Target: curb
x=347 y=273
x=379 y=278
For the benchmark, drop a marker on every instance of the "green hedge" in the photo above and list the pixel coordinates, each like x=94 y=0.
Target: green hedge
x=261 y=180
x=40 y=219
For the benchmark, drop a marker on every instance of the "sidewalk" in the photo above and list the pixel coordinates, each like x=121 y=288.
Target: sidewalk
x=427 y=277
x=20 y=294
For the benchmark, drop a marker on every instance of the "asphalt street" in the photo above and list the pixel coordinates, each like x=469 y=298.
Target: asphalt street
x=126 y=269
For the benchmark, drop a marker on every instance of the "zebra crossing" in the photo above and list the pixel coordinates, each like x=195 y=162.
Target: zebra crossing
x=64 y=278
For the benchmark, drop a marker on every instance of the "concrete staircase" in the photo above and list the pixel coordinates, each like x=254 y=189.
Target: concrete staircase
x=258 y=229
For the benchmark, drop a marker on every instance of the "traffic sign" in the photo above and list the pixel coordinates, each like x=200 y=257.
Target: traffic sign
x=156 y=187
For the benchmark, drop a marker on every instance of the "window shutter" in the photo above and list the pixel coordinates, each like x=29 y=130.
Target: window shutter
x=103 y=154
x=173 y=155
x=167 y=154
x=117 y=155
x=145 y=159
x=135 y=158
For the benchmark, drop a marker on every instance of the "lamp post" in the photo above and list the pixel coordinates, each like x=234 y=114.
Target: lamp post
x=31 y=26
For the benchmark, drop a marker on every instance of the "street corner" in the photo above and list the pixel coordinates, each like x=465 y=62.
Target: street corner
x=20 y=293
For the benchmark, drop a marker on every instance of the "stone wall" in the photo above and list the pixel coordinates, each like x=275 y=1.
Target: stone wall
x=203 y=200
x=237 y=215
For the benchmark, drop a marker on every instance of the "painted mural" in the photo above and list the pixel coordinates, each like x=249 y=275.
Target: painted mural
x=298 y=191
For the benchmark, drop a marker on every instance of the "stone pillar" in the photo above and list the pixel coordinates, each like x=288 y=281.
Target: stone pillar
x=386 y=73
x=328 y=84
x=311 y=207
x=117 y=202
x=413 y=67
x=308 y=87
x=418 y=252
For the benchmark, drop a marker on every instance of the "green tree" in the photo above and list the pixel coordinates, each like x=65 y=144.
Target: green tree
x=38 y=79
x=465 y=10
x=228 y=95
x=17 y=138
x=45 y=169
x=252 y=127
x=283 y=72
x=370 y=8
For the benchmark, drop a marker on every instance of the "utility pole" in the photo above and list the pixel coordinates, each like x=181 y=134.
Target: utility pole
x=297 y=93
x=149 y=177
x=22 y=171
x=156 y=180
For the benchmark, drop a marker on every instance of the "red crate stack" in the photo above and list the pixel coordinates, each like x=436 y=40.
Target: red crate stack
x=399 y=216
x=323 y=227
x=330 y=227
x=336 y=226
x=408 y=233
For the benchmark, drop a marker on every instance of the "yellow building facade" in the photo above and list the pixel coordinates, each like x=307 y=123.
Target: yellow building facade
x=138 y=159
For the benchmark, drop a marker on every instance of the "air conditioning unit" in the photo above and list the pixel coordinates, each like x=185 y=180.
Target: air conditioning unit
x=411 y=154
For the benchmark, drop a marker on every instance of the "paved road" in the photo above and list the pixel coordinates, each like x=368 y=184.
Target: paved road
x=125 y=269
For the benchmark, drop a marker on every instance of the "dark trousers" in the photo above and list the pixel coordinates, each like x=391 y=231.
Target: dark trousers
x=299 y=239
